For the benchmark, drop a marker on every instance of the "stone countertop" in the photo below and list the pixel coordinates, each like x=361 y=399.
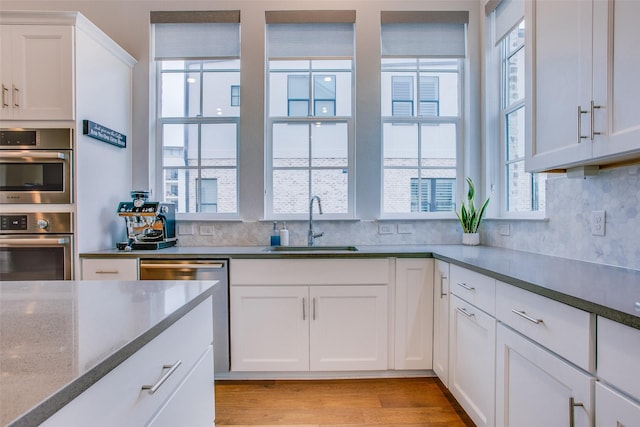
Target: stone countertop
x=611 y=292
x=57 y=338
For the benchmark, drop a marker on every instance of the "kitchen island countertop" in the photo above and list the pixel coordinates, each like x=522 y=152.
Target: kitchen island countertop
x=57 y=338
x=608 y=291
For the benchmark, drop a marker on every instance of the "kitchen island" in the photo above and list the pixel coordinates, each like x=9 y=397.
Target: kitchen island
x=58 y=339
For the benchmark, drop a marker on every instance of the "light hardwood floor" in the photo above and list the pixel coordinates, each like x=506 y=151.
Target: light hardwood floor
x=313 y=403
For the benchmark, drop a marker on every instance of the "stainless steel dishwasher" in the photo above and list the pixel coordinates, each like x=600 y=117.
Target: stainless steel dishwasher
x=200 y=269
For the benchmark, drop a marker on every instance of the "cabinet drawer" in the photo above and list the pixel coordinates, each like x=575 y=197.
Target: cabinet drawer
x=118 y=399
x=563 y=329
x=309 y=271
x=475 y=288
x=109 y=269
x=615 y=409
x=618 y=351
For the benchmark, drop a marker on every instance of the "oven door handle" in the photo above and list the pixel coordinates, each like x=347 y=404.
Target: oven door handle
x=32 y=155
x=26 y=241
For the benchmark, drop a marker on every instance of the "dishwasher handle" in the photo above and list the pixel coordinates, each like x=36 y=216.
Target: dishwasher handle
x=216 y=265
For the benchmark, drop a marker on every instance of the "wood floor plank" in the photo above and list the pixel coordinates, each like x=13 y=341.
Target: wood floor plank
x=406 y=402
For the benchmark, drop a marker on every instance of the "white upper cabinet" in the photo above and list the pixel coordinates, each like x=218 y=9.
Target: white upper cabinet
x=36 y=72
x=581 y=82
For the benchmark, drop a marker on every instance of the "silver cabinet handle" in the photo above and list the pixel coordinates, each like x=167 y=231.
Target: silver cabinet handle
x=5 y=92
x=442 y=279
x=215 y=265
x=637 y=305
x=304 y=310
x=572 y=405
x=171 y=369
x=32 y=155
x=524 y=315
x=16 y=92
x=465 y=312
x=465 y=286
x=107 y=272
x=580 y=113
x=35 y=242
x=594 y=107
x=314 y=309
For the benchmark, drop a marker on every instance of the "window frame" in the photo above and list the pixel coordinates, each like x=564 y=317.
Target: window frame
x=459 y=122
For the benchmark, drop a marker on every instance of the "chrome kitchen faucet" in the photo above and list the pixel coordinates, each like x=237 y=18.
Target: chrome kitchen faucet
x=312 y=235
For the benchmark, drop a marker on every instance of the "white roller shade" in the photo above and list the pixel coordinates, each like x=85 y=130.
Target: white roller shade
x=310 y=40
x=196 y=40
x=508 y=14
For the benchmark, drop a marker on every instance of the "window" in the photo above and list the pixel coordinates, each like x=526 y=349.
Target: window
x=198 y=68
x=522 y=191
x=421 y=110
x=310 y=113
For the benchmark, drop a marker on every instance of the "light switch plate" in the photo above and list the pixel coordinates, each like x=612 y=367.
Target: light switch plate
x=405 y=228
x=385 y=228
x=207 y=230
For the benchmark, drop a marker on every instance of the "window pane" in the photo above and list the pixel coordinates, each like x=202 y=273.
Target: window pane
x=397 y=190
x=400 y=144
x=180 y=145
x=333 y=188
x=438 y=143
x=216 y=94
x=208 y=195
x=515 y=134
x=290 y=191
x=290 y=145
x=514 y=83
x=219 y=144
x=330 y=145
x=519 y=188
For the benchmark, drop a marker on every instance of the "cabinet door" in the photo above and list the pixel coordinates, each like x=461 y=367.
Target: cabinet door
x=472 y=360
x=536 y=388
x=6 y=82
x=441 y=321
x=558 y=35
x=269 y=328
x=348 y=328
x=616 y=87
x=192 y=404
x=42 y=72
x=414 y=314
x=614 y=409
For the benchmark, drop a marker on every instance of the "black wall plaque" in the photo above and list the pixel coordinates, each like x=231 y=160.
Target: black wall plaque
x=104 y=134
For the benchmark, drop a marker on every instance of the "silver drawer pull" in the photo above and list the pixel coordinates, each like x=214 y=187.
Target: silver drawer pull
x=171 y=369
x=526 y=316
x=637 y=306
x=572 y=405
x=442 y=292
x=465 y=312
x=107 y=272
x=467 y=287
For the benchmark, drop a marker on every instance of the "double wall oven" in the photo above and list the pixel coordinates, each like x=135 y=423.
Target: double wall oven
x=36 y=196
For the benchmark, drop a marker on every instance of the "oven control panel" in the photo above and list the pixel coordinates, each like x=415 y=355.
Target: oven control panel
x=36 y=223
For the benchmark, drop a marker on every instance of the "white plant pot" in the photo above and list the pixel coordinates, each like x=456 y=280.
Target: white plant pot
x=471 y=239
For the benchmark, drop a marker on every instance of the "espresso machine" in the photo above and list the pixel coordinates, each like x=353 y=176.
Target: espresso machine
x=150 y=225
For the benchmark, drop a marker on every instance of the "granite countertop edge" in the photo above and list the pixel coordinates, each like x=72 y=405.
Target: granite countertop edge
x=485 y=260
x=49 y=406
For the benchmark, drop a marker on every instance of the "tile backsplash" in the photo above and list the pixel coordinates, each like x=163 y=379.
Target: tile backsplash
x=565 y=233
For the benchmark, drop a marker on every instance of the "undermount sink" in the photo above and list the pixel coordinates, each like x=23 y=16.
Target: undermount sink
x=311 y=249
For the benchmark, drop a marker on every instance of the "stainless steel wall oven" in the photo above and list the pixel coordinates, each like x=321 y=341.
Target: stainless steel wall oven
x=36 y=166
x=36 y=246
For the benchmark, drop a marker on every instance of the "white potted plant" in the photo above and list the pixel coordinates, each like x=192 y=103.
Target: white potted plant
x=470 y=217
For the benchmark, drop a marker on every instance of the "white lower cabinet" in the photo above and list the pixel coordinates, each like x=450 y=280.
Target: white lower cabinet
x=317 y=328
x=472 y=360
x=441 y=321
x=534 y=387
x=414 y=314
x=181 y=355
x=109 y=269
x=615 y=410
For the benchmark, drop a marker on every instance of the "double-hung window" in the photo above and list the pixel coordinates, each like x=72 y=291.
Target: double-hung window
x=422 y=68
x=197 y=58
x=310 y=131
x=522 y=191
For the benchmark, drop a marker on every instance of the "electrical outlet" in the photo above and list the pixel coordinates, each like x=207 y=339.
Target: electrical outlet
x=185 y=229
x=598 y=221
x=405 y=228
x=207 y=230
x=385 y=228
